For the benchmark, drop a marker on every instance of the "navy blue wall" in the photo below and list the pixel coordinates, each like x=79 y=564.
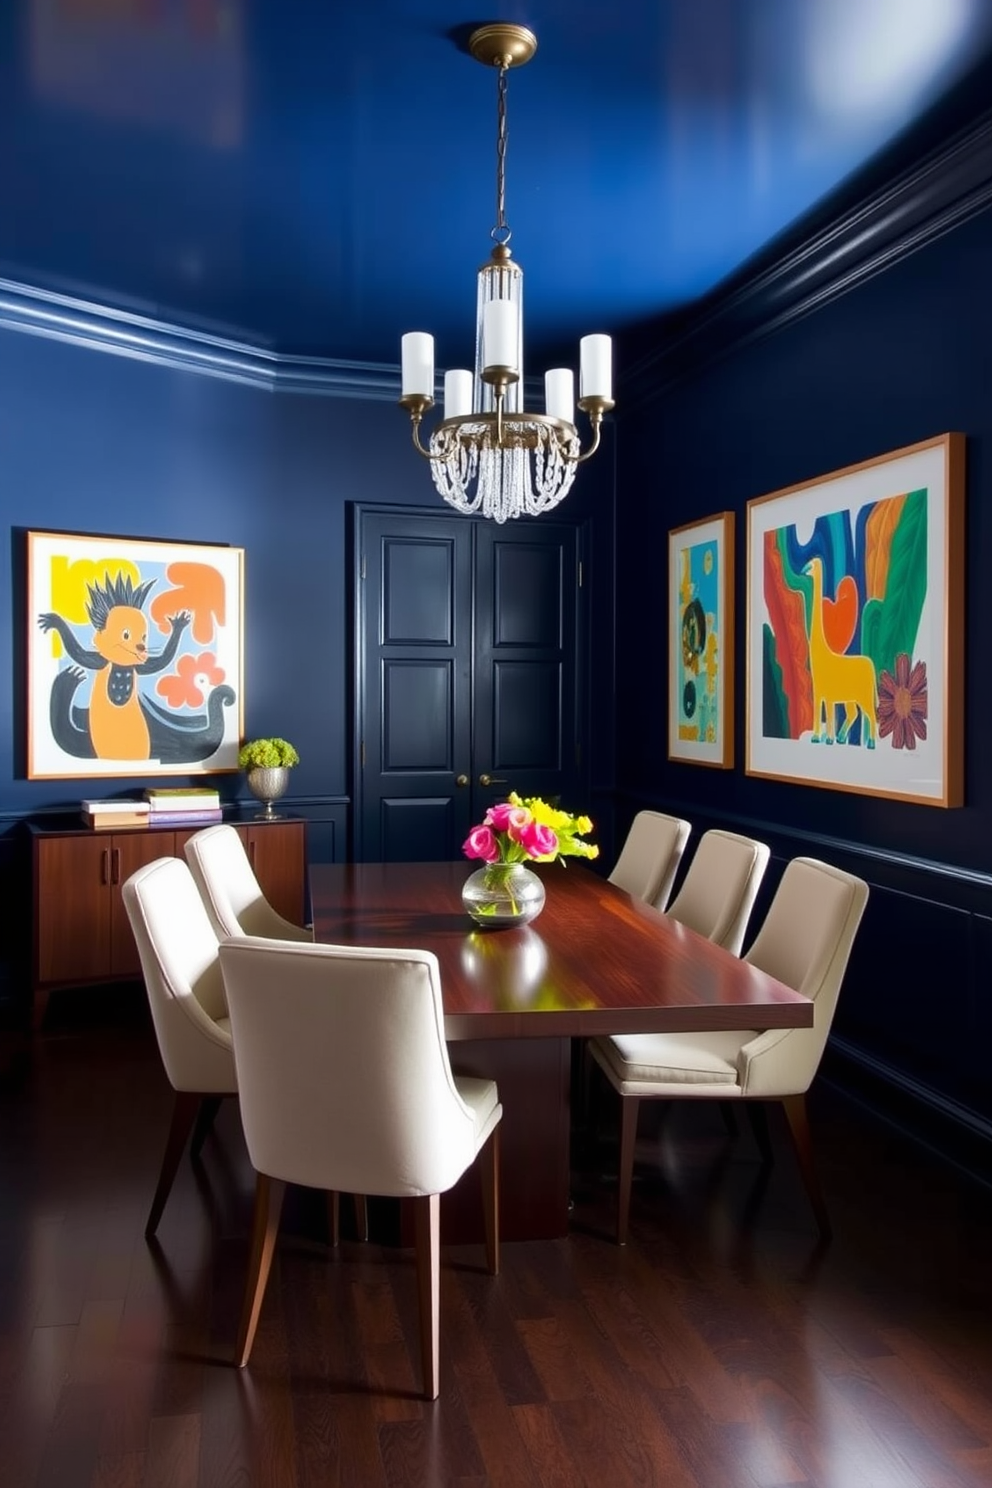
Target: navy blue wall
x=903 y=356
x=91 y=441
x=96 y=442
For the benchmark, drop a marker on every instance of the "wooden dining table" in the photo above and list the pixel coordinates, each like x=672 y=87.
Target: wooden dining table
x=596 y=961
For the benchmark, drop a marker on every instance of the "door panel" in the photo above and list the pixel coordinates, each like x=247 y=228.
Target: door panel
x=416 y=715
x=418 y=591
x=418 y=830
x=414 y=698
x=527 y=721
x=528 y=594
x=468 y=665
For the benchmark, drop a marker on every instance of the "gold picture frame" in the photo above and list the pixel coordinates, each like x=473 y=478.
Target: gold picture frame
x=855 y=628
x=701 y=642
x=135 y=657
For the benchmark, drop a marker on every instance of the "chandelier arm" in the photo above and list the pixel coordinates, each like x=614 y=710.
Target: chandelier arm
x=594 y=408
x=596 y=426
x=416 y=405
x=415 y=431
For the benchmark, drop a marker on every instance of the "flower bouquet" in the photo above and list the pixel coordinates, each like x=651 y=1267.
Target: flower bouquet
x=514 y=832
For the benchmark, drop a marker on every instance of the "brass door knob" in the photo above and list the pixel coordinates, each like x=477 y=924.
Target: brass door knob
x=491 y=780
x=461 y=780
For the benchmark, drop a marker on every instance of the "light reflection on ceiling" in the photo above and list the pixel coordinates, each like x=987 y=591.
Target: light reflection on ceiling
x=319 y=178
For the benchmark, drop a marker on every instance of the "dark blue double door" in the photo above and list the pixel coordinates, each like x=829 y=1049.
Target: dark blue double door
x=469 y=662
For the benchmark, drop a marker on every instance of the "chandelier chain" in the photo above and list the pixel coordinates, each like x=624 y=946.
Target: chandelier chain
x=501 y=233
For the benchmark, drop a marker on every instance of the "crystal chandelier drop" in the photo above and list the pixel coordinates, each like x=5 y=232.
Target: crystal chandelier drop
x=487 y=455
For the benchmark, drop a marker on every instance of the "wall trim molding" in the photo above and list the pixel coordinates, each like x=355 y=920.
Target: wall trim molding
x=293 y=805
x=78 y=322
x=945 y=188
x=949 y=873
x=922 y=1094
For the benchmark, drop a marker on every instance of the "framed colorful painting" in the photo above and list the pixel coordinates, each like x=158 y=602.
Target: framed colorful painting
x=855 y=628
x=134 y=657
x=701 y=642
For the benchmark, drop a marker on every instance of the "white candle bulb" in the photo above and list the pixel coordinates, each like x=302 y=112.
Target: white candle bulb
x=457 y=393
x=559 y=394
x=595 y=367
x=499 y=334
x=418 y=364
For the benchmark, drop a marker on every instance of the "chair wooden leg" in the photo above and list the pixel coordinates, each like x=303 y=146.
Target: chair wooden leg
x=334 y=1217
x=427 y=1235
x=361 y=1215
x=269 y=1193
x=757 y=1114
x=630 y=1106
x=489 y=1175
x=184 y=1113
x=209 y=1106
x=795 y=1113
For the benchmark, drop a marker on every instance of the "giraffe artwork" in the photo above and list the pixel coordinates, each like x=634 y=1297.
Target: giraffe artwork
x=855 y=627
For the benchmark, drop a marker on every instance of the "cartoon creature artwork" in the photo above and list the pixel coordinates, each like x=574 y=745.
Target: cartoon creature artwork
x=121 y=724
x=839 y=680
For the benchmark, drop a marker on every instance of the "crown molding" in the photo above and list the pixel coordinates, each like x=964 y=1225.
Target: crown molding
x=40 y=312
x=944 y=189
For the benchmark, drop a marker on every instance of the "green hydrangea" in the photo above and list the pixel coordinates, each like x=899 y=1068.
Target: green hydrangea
x=267 y=754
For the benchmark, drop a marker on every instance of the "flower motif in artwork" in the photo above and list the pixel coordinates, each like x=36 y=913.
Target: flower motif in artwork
x=191 y=681
x=902 y=703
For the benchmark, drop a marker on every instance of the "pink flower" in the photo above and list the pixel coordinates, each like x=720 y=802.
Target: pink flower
x=538 y=841
x=481 y=843
x=520 y=820
x=499 y=816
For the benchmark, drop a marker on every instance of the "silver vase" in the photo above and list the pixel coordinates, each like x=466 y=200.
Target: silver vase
x=267 y=784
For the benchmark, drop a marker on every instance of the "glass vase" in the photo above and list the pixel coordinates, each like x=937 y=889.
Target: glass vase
x=501 y=894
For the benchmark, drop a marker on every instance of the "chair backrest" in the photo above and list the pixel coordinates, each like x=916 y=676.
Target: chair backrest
x=805 y=942
x=343 y=1068
x=230 y=891
x=179 y=961
x=720 y=887
x=650 y=856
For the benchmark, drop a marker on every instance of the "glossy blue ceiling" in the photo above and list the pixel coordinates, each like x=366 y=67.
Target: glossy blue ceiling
x=317 y=179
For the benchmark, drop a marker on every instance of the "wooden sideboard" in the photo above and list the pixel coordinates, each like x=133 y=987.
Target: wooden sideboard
x=81 y=930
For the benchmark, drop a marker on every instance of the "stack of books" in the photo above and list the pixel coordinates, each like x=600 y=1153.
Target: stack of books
x=182 y=806
x=120 y=813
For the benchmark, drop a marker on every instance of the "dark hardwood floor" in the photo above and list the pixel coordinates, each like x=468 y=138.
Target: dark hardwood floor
x=722 y=1348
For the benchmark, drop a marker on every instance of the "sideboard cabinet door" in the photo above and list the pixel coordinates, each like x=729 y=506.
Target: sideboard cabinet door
x=277 y=853
x=129 y=852
x=72 y=908
x=82 y=933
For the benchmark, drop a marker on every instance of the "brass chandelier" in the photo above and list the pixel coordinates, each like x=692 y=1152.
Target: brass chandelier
x=488 y=456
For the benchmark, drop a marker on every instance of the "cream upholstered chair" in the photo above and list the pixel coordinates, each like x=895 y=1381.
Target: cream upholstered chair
x=230 y=891
x=650 y=856
x=178 y=949
x=720 y=887
x=345 y=1083
x=805 y=942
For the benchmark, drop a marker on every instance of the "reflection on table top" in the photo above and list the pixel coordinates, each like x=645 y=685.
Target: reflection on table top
x=595 y=961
